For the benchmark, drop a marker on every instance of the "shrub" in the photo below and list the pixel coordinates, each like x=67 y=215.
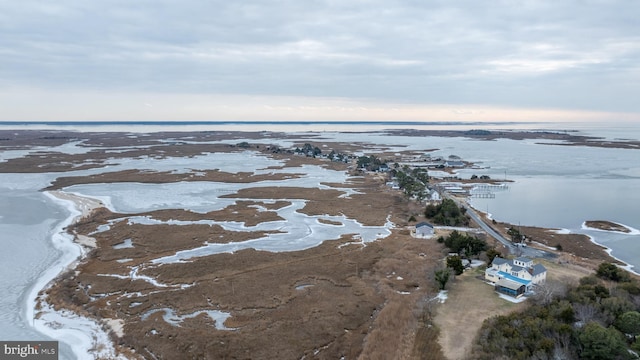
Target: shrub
x=442 y=277
x=491 y=254
x=455 y=263
x=611 y=272
x=629 y=323
x=589 y=280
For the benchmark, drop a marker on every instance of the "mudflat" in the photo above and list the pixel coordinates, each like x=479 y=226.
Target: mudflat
x=343 y=297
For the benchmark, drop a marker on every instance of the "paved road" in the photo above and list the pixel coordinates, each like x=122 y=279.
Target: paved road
x=488 y=229
x=507 y=244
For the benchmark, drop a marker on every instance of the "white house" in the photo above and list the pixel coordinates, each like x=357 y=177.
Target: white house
x=433 y=197
x=424 y=230
x=454 y=163
x=515 y=277
x=393 y=185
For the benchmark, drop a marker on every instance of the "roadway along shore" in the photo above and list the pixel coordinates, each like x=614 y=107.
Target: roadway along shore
x=507 y=244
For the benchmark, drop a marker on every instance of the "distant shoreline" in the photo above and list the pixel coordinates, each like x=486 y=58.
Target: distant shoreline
x=474 y=130
x=255 y=122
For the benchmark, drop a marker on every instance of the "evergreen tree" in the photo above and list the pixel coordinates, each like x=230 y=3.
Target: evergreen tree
x=455 y=263
x=442 y=277
x=629 y=323
x=599 y=343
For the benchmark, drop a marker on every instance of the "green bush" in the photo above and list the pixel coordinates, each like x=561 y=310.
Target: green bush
x=629 y=323
x=455 y=263
x=611 y=272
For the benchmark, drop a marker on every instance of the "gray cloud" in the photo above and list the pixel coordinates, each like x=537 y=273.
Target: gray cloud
x=567 y=54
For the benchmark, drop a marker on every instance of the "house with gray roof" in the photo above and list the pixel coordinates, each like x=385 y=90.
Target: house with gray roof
x=424 y=230
x=516 y=276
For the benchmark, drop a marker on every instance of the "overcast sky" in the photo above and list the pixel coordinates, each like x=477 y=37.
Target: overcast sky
x=315 y=59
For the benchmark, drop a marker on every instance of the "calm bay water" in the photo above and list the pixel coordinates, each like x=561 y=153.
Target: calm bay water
x=555 y=186
x=565 y=202
x=27 y=222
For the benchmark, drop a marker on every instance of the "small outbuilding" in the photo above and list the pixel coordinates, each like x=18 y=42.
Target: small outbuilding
x=424 y=230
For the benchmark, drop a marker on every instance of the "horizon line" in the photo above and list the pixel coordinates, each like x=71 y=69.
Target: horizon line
x=259 y=122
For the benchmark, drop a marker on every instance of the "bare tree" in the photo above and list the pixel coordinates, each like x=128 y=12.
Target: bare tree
x=585 y=312
x=545 y=293
x=562 y=353
x=562 y=348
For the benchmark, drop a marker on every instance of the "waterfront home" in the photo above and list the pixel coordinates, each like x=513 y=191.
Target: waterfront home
x=454 y=163
x=515 y=277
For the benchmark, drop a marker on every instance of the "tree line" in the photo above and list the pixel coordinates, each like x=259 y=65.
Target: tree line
x=413 y=182
x=597 y=319
x=447 y=213
x=462 y=245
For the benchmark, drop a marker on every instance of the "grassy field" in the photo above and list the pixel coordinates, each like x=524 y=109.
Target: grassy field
x=565 y=272
x=470 y=302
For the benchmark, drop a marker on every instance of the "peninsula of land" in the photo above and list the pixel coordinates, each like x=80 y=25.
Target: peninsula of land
x=171 y=280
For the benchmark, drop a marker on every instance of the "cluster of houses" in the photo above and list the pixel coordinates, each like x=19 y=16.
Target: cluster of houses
x=436 y=162
x=432 y=195
x=422 y=161
x=308 y=150
x=313 y=151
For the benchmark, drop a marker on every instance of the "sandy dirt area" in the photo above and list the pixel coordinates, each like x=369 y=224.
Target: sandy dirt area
x=85 y=205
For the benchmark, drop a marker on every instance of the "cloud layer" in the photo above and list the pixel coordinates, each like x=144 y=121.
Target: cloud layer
x=533 y=54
